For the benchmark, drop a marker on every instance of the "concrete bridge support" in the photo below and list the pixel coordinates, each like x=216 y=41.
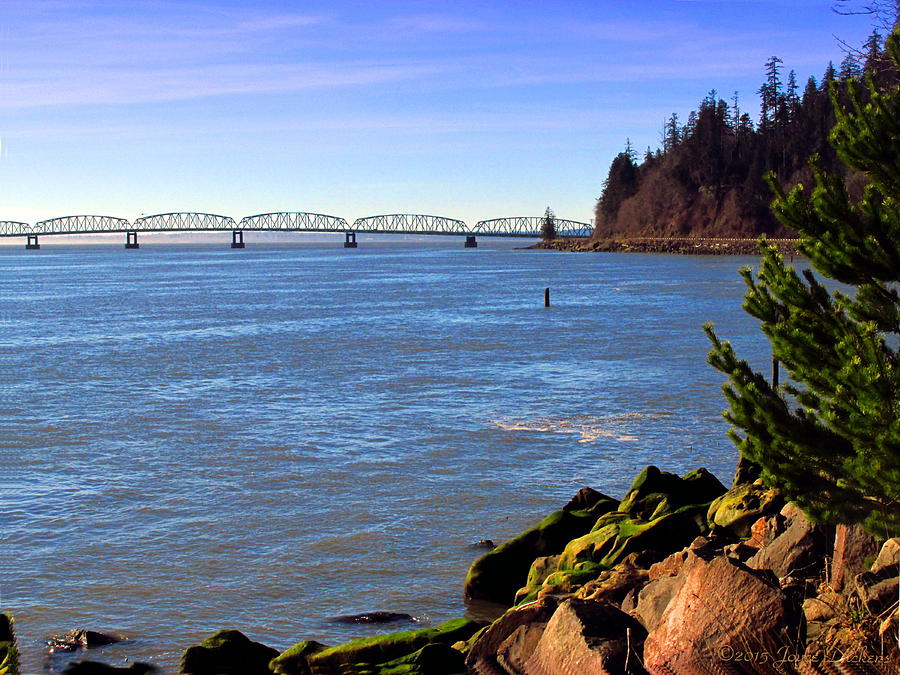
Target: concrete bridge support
x=470 y=241
x=131 y=240
x=31 y=242
x=350 y=240
x=237 y=239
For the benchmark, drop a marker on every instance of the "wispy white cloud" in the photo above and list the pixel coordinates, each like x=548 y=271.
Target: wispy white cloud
x=125 y=86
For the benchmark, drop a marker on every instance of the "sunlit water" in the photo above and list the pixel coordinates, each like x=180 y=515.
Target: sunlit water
x=196 y=438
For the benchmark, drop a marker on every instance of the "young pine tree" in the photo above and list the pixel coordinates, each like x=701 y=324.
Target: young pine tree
x=548 y=225
x=829 y=438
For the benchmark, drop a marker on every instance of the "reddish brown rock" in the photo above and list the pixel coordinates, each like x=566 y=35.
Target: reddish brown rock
x=653 y=600
x=798 y=550
x=725 y=617
x=852 y=545
x=482 y=658
x=703 y=547
x=588 y=637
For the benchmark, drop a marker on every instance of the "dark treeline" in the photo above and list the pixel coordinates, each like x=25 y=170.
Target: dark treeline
x=708 y=177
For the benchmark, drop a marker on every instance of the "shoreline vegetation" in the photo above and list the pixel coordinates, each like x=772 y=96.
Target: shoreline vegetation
x=673 y=245
x=679 y=576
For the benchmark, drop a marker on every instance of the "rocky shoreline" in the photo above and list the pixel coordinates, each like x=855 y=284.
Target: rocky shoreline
x=682 y=575
x=685 y=246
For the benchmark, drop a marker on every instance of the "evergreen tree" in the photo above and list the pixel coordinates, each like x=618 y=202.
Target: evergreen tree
x=548 y=225
x=829 y=438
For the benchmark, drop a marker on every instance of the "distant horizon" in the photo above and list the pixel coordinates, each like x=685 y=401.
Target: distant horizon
x=457 y=110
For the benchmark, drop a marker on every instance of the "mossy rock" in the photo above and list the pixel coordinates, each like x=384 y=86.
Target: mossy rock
x=432 y=659
x=656 y=493
x=9 y=653
x=541 y=568
x=617 y=537
x=228 y=652
x=570 y=580
x=736 y=511
x=381 y=649
x=295 y=660
x=497 y=575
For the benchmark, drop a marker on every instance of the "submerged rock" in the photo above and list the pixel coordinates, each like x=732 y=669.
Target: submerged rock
x=98 y=668
x=228 y=652
x=79 y=638
x=373 y=617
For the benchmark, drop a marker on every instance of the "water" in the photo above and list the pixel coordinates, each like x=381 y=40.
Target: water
x=196 y=438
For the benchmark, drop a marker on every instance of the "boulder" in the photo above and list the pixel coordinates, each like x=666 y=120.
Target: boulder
x=295 y=660
x=83 y=667
x=514 y=652
x=79 y=638
x=852 y=547
x=228 y=652
x=705 y=547
x=878 y=590
x=616 y=535
x=614 y=584
x=653 y=599
x=497 y=575
x=384 y=648
x=888 y=555
x=587 y=636
x=9 y=654
x=541 y=568
x=655 y=493
x=725 y=617
x=797 y=551
x=532 y=618
x=736 y=510
x=432 y=659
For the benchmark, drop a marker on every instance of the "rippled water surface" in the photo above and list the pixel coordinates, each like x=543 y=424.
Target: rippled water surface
x=197 y=438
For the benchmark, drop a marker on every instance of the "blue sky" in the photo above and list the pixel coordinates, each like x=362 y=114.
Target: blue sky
x=467 y=109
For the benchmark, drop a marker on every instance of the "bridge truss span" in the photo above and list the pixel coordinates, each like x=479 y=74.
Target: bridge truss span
x=530 y=226
x=183 y=220
x=11 y=228
x=80 y=225
x=411 y=223
x=298 y=221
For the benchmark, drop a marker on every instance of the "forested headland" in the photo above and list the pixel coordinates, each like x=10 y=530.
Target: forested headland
x=708 y=177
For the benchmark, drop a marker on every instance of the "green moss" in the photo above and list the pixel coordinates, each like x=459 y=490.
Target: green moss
x=497 y=575
x=295 y=660
x=9 y=653
x=383 y=648
x=736 y=510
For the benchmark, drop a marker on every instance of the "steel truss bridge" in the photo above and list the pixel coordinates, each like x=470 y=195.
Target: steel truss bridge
x=288 y=221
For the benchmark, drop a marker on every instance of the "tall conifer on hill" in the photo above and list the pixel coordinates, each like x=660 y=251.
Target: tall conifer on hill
x=829 y=438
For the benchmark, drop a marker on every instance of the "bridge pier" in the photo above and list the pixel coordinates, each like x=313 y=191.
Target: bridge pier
x=131 y=239
x=350 y=240
x=470 y=241
x=237 y=239
x=32 y=242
